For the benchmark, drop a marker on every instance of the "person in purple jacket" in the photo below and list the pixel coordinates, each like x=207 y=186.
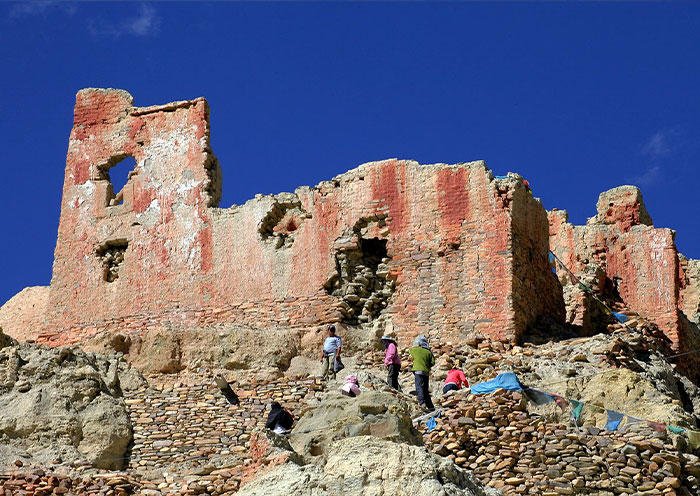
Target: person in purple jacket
x=350 y=388
x=392 y=361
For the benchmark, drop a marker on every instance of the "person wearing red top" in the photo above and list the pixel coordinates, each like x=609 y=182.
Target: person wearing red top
x=392 y=361
x=455 y=379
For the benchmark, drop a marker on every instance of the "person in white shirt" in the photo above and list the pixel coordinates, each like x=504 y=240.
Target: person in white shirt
x=331 y=350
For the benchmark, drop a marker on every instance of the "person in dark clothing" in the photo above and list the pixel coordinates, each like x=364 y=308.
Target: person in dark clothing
x=279 y=420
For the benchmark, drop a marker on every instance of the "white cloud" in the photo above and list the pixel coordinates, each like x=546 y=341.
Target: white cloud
x=145 y=23
x=648 y=177
x=39 y=8
x=658 y=145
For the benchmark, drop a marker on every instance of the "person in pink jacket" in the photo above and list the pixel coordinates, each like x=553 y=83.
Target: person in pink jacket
x=453 y=382
x=392 y=361
x=350 y=388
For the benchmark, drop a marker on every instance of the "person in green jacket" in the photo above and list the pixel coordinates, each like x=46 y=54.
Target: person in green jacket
x=423 y=361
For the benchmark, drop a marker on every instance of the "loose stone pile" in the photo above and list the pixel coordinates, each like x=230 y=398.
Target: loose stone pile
x=507 y=448
x=362 y=278
x=189 y=441
x=112 y=258
x=40 y=484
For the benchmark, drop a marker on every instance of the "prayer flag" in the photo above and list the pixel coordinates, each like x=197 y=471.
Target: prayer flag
x=561 y=402
x=657 y=426
x=675 y=430
x=632 y=420
x=431 y=424
x=620 y=318
x=538 y=397
x=614 y=419
x=576 y=412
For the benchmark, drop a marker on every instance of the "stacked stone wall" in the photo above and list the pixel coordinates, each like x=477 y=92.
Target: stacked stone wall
x=507 y=448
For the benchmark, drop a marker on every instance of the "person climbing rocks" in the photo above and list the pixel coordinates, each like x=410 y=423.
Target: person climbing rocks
x=454 y=381
x=423 y=361
x=350 y=388
x=392 y=361
x=279 y=420
x=331 y=351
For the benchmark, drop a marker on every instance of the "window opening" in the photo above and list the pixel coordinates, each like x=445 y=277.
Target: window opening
x=118 y=176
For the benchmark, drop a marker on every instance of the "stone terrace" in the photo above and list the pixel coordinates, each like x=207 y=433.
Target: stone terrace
x=191 y=425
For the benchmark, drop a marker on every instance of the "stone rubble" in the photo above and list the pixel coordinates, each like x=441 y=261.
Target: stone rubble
x=495 y=437
x=188 y=440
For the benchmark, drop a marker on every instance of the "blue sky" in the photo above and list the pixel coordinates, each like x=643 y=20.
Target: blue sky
x=576 y=97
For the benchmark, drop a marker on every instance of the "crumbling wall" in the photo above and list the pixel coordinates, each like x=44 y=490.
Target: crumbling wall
x=445 y=250
x=143 y=253
x=530 y=252
x=619 y=253
x=690 y=288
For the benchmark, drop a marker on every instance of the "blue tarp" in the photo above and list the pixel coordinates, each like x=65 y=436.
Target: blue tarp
x=507 y=381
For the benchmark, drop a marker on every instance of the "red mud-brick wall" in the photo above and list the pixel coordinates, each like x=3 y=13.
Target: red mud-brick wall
x=454 y=243
x=620 y=240
x=690 y=288
x=164 y=214
x=536 y=289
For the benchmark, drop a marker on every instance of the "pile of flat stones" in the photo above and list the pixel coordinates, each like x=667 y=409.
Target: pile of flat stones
x=493 y=436
x=41 y=484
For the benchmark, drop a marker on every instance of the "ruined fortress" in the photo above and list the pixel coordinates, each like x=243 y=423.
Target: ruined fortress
x=446 y=250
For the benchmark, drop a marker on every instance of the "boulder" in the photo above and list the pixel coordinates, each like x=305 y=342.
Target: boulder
x=382 y=414
x=61 y=404
x=22 y=316
x=367 y=465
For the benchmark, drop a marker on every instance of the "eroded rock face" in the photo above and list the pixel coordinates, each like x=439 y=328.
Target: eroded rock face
x=384 y=415
x=60 y=404
x=246 y=352
x=22 y=316
x=642 y=384
x=367 y=465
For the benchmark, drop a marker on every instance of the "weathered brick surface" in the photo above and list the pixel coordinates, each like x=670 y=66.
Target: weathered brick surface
x=464 y=251
x=619 y=253
x=690 y=289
